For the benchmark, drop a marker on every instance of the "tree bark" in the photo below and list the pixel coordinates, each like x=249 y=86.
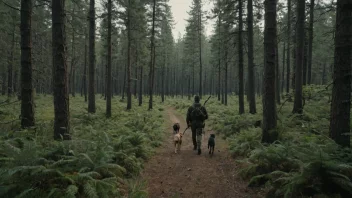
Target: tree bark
x=108 y=75
x=310 y=42
x=129 y=40
x=283 y=69
x=152 y=59
x=72 y=73
x=11 y=62
x=91 y=85
x=305 y=60
x=61 y=99
x=85 y=69
x=269 y=107
x=298 y=103
x=219 y=54
x=200 y=51
x=27 y=100
x=251 y=79
x=240 y=62
x=288 y=63
x=124 y=82
x=140 y=96
x=163 y=78
x=277 y=74
x=226 y=76
x=341 y=91
x=136 y=75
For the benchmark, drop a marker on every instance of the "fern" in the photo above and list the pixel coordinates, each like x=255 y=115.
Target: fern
x=71 y=191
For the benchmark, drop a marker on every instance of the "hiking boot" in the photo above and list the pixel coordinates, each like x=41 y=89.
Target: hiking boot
x=199 y=151
x=194 y=148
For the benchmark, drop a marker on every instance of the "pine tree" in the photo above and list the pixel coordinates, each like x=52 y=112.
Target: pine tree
x=61 y=99
x=91 y=81
x=251 y=80
x=298 y=102
x=288 y=64
x=341 y=91
x=310 y=44
x=152 y=57
x=27 y=100
x=240 y=57
x=109 y=89
x=269 y=106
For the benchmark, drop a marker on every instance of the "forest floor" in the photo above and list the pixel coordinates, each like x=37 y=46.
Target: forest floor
x=187 y=174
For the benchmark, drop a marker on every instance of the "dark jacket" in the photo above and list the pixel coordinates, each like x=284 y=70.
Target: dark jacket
x=196 y=122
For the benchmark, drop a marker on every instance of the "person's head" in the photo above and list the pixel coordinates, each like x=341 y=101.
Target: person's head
x=212 y=135
x=196 y=98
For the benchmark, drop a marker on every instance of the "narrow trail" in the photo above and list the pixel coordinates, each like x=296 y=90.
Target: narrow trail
x=189 y=175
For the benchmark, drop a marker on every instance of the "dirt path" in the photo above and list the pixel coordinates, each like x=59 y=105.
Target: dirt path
x=189 y=175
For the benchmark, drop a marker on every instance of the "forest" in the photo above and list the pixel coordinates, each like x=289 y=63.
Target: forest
x=90 y=90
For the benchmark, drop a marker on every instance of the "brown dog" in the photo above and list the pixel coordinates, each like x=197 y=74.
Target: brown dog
x=178 y=141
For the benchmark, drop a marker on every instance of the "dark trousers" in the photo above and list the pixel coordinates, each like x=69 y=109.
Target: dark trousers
x=194 y=136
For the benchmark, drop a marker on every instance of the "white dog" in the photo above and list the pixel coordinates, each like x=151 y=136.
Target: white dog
x=178 y=141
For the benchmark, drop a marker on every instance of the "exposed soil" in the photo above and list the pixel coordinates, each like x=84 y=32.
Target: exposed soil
x=187 y=174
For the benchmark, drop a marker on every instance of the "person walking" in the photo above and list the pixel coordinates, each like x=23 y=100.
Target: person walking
x=196 y=115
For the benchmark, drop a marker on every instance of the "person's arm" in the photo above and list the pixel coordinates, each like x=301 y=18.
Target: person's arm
x=208 y=143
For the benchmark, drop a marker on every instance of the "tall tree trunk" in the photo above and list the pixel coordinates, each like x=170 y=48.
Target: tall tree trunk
x=226 y=75
x=277 y=74
x=85 y=68
x=108 y=86
x=283 y=69
x=140 y=96
x=219 y=54
x=251 y=80
x=310 y=42
x=298 y=103
x=223 y=90
x=189 y=87
x=193 y=76
x=163 y=78
x=269 y=106
x=11 y=62
x=27 y=100
x=91 y=85
x=288 y=63
x=341 y=90
x=305 y=60
x=124 y=82
x=152 y=59
x=136 y=76
x=61 y=99
x=200 y=51
x=240 y=58
x=129 y=40
x=72 y=73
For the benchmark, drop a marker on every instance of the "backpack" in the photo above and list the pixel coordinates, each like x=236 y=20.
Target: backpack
x=197 y=113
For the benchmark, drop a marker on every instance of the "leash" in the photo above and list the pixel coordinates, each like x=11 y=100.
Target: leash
x=185 y=130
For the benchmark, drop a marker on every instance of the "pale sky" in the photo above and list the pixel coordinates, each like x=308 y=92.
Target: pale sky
x=179 y=10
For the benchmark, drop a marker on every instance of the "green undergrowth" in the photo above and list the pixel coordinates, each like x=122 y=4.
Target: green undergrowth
x=103 y=159
x=304 y=162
